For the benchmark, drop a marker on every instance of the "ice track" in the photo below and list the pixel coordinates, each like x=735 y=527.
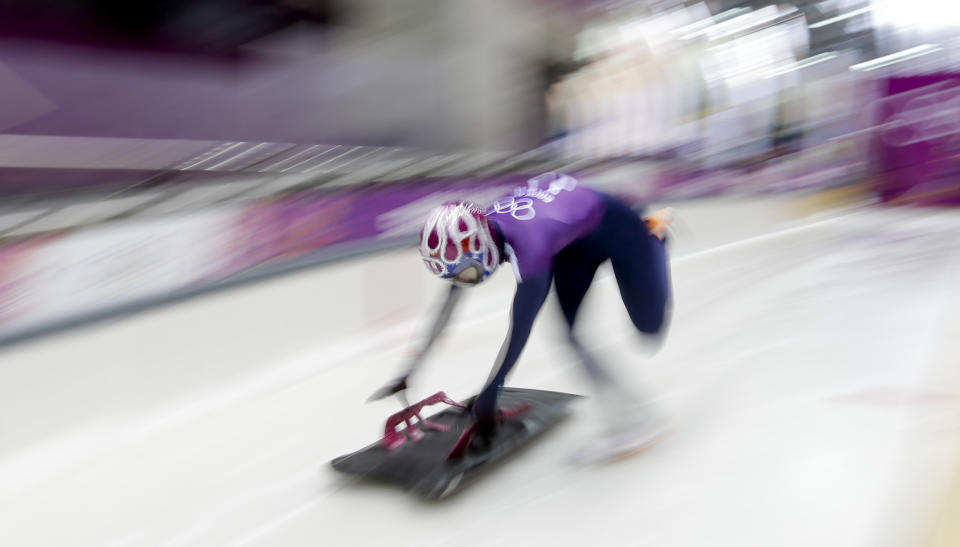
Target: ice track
x=811 y=374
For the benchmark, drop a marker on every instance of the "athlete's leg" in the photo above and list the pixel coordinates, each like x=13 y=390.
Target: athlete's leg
x=574 y=270
x=640 y=264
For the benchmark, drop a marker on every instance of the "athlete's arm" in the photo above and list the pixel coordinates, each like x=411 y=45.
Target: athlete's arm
x=440 y=322
x=531 y=293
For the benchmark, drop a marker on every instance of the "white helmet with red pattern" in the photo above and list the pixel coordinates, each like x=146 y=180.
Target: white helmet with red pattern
x=456 y=243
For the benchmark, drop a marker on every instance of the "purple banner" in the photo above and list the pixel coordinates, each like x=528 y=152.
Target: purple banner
x=918 y=141
x=276 y=230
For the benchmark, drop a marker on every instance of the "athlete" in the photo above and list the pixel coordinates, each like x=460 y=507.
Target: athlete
x=554 y=230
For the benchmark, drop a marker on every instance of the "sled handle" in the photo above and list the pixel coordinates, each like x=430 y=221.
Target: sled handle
x=393 y=438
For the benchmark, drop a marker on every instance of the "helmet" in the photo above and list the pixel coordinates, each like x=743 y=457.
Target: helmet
x=456 y=243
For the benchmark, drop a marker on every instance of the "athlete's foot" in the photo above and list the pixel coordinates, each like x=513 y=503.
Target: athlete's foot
x=624 y=441
x=628 y=425
x=658 y=223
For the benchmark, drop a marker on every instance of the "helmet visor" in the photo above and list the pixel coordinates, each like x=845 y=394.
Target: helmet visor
x=470 y=276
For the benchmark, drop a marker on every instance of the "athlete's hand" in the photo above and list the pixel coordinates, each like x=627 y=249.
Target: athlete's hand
x=392 y=387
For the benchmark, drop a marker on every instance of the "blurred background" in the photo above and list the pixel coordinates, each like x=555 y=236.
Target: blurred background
x=155 y=151
x=277 y=125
